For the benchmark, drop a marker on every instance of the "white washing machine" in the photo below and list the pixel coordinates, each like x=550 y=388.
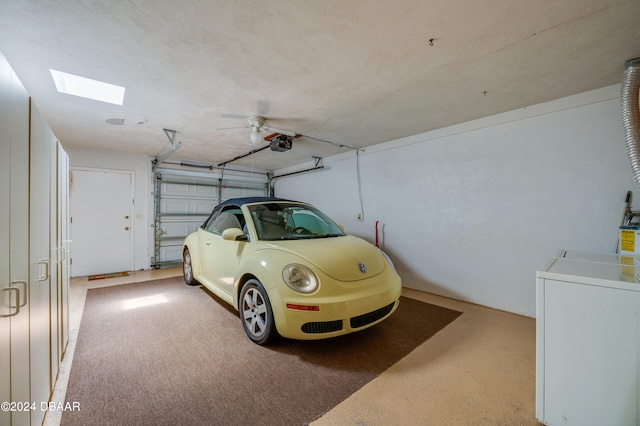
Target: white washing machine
x=588 y=340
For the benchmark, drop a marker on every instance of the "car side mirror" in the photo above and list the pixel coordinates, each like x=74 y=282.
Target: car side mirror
x=233 y=234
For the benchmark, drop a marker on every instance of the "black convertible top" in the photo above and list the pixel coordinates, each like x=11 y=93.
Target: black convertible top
x=248 y=200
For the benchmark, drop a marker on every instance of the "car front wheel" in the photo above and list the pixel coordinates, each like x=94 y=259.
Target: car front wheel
x=187 y=269
x=256 y=314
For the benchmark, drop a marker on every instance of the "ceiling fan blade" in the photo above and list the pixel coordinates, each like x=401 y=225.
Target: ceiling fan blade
x=262 y=107
x=233 y=128
x=284 y=132
x=233 y=116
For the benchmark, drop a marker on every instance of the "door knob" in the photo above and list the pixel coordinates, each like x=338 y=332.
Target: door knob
x=126 y=228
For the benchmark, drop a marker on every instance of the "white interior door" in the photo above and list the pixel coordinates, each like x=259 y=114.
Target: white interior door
x=101 y=226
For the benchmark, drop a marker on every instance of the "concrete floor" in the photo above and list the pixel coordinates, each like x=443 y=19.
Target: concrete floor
x=479 y=370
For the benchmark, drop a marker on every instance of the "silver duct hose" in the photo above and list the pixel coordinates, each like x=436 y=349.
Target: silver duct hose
x=631 y=114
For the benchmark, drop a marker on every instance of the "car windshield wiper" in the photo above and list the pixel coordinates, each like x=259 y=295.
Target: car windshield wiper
x=307 y=236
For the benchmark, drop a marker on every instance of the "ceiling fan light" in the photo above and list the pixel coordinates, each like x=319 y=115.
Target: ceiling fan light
x=256 y=135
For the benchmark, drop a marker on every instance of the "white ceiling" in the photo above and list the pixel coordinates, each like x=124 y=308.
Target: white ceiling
x=353 y=72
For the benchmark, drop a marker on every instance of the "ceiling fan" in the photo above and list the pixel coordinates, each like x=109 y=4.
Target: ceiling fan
x=257 y=123
x=279 y=140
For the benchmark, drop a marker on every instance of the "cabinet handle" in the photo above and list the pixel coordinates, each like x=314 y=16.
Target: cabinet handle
x=17 y=305
x=24 y=291
x=61 y=254
x=44 y=277
x=56 y=255
x=67 y=247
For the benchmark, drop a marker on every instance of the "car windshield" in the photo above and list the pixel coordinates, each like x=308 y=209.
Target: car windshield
x=289 y=221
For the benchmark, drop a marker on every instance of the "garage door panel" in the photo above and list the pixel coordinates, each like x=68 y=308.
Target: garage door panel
x=242 y=192
x=187 y=206
x=180 y=228
x=170 y=251
x=190 y=190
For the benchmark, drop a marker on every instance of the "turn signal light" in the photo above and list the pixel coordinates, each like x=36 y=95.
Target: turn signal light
x=303 y=307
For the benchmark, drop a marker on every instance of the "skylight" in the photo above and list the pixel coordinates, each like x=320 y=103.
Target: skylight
x=87 y=88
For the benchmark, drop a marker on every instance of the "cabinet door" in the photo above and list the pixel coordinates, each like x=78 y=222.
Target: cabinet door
x=6 y=295
x=19 y=247
x=42 y=142
x=55 y=256
x=62 y=251
x=14 y=251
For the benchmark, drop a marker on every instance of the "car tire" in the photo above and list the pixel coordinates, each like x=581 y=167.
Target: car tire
x=256 y=313
x=187 y=268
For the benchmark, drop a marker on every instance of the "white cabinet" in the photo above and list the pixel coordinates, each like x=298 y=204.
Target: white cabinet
x=33 y=279
x=588 y=340
x=14 y=244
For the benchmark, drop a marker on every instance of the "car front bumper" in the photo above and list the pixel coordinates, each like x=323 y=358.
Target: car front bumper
x=311 y=317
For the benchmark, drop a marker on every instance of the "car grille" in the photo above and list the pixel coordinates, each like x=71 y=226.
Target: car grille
x=356 y=322
x=322 y=327
x=362 y=320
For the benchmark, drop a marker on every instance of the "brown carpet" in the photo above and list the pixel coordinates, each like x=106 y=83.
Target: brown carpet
x=181 y=358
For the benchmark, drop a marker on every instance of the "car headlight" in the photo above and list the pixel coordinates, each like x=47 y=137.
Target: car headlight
x=300 y=278
x=386 y=256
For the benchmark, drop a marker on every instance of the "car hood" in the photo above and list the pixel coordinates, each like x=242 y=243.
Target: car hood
x=339 y=257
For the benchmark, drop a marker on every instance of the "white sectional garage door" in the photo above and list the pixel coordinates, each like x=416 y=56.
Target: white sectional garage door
x=183 y=202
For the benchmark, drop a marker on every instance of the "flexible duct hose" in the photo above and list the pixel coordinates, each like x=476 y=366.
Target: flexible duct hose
x=631 y=114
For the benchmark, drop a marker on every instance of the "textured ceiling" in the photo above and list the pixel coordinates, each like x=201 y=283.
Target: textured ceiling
x=352 y=72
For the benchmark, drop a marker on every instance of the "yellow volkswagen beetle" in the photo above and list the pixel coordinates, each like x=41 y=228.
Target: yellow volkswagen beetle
x=289 y=270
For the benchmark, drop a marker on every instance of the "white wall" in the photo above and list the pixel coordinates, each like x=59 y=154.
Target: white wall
x=472 y=211
x=140 y=165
